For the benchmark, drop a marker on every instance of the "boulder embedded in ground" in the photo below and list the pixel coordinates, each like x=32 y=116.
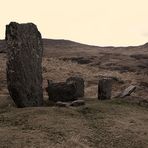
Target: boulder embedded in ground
x=77 y=103
x=61 y=91
x=79 y=85
x=24 y=70
x=128 y=91
x=104 y=89
x=61 y=104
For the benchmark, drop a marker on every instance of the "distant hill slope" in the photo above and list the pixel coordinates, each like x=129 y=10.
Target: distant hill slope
x=59 y=44
x=51 y=43
x=67 y=47
x=122 y=59
x=62 y=42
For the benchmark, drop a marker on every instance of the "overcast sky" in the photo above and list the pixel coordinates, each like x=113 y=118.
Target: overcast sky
x=98 y=22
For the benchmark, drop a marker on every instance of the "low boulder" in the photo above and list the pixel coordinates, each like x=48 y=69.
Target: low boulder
x=128 y=91
x=79 y=85
x=61 y=104
x=77 y=103
x=67 y=91
x=61 y=91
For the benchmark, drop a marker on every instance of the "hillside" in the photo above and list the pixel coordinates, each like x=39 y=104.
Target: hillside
x=114 y=123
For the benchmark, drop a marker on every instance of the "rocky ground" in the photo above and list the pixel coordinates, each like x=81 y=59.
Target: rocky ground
x=114 y=123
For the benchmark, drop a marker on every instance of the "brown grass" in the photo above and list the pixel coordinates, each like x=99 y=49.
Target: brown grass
x=115 y=123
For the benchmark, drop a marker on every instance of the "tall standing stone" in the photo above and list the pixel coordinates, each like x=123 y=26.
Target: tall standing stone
x=24 y=70
x=104 y=89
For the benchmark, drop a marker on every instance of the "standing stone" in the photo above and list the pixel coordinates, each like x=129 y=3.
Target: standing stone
x=24 y=70
x=61 y=91
x=79 y=85
x=104 y=89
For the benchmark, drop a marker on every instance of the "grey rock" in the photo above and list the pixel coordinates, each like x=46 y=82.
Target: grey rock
x=61 y=104
x=61 y=91
x=104 y=89
x=79 y=85
x=24 y=71
x=67 y=91
x=77 y=103
x=128 y=91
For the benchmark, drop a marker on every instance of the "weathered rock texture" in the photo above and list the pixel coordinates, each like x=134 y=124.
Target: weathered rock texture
x=62 y=104
x=77 y=103
x=70 y=90
x=79 y=85
x=24 y=71
x=61 y=91
x=104 y=89
x=128 y=91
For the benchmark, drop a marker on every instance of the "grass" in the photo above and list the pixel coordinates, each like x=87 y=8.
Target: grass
x=101 y=124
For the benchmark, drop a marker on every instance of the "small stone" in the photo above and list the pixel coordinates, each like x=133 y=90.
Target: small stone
x=61 y=104
x=104 y=89
x=77 y=103
x=128 y=91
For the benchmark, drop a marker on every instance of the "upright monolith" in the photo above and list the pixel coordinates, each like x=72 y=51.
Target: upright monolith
x=104 y=89
x=24 y=70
